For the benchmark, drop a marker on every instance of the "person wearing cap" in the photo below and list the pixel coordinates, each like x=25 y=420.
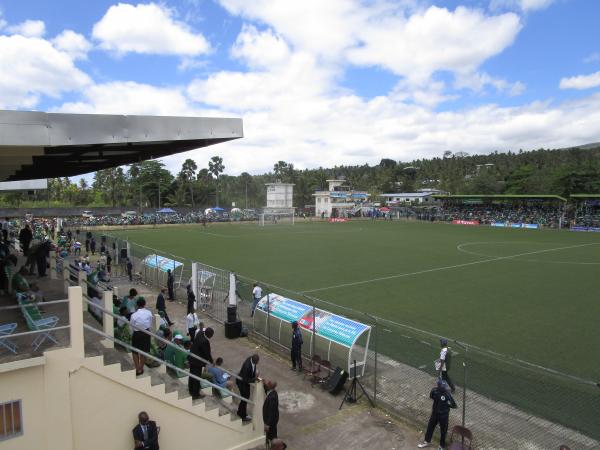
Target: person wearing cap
x=297 y=341
x=440 y=413
x=176 y=355
x=445 y=363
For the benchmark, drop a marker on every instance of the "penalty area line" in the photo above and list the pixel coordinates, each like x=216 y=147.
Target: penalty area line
x=437 y=269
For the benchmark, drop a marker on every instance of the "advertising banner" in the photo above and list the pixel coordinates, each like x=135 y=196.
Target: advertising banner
x=498 y=224
x=161 y=263
x=339 y=194
x=465 y=222
x=589 y=229
x=333 y=327
x=337 y=219
x=359 y=195
x=531 y=226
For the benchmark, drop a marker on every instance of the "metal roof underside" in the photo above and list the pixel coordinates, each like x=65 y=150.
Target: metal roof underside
x=48 y=145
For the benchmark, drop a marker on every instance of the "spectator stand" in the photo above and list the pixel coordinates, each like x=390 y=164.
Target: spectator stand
x=154 y=270
x=510 y=211
x=334 y=338
x=586 y=212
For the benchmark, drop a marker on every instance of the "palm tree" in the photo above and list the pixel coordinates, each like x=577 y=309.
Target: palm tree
x=216 y=167
x=188 y=172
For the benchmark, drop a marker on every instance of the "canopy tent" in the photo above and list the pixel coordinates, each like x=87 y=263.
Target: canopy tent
x=336 y=335
x=166 y=211
x=218 y=208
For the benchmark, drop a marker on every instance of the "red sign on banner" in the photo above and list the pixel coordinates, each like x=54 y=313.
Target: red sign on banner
x=338 y=219
x=465 y=222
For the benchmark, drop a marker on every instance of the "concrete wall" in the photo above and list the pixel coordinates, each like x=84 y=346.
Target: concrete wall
x=25 y=384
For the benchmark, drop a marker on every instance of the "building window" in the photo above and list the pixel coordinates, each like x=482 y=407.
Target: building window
x=11 y=423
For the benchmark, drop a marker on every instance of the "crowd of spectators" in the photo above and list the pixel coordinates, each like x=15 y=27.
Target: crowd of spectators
x=587 y=215
x=543 y=214
x=160 y=218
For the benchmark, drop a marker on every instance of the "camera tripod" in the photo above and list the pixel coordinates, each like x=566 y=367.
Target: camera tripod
x=350 y=395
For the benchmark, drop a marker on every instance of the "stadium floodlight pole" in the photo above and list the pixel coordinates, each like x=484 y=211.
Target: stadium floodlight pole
x=464 y=406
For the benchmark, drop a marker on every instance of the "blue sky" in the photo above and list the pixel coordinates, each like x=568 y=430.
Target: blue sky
x=318 y=83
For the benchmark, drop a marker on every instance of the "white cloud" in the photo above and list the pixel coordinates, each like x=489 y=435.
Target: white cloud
x=581 y=81
x=147 y=28
x=28 y=28
x=260 y=49
x=594 y=57
x=73 y=44
x=436 y=39
x=128 y=97
x=479 y=81
x=35 y=68
x=523 y=5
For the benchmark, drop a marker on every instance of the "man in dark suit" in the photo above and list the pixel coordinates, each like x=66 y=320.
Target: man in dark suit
x=161 y=305
x=248 y=374
x=171 y=285
x=201 y=348
x=271 y=411
x=145 y=434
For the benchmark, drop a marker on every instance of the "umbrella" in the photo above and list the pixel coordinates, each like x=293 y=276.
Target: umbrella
x=384 y=209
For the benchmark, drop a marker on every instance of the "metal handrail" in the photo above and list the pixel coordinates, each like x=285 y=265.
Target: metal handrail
x=171 y=366
x=53 y=302
x=27 y=333
x=159 y=338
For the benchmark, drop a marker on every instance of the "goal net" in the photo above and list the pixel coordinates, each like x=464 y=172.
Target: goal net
x=275 y=218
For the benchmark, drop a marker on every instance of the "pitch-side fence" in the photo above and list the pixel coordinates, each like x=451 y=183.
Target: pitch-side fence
x=506 y=402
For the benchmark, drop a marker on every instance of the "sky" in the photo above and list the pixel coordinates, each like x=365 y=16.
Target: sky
x=318 y=82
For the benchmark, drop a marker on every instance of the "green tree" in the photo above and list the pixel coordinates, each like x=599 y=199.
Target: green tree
x=216 y=167
x=187 y=175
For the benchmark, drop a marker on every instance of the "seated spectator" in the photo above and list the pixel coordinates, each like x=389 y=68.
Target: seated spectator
x=220 y=377
x=162 y=322
x=176 y=357
x=161 y=346
x=19 y=284
x=145 y=434
x=122 y=331
x=129 y=301
x=36 y=293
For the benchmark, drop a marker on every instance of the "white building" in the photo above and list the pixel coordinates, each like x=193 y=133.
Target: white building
x=280 y=195
x=339 y=200
x=411 y=197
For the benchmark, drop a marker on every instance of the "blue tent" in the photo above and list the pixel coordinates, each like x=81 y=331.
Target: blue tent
x=217 y=208
x=166 y=211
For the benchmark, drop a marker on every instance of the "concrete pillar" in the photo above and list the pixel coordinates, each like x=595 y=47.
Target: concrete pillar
x=53 y=274
x=76 y=320
x=66 y=275
x=195 y=281
x=107 y=320
x=129 y=255
x=82 y=277
x=257 y=395
x=116 y=291
x=155 y=327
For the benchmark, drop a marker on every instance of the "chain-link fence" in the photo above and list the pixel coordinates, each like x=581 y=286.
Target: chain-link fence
x=505 y=402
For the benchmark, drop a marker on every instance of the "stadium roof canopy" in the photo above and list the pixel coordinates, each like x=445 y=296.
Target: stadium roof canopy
x=45 y=145
x=585 y=196
x=506 y=197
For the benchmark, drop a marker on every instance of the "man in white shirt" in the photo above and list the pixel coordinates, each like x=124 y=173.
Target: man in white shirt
x=140 y=320
x=256 y=296
x=445 y=361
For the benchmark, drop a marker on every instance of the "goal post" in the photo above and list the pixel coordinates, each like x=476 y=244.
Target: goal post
x=276 y=218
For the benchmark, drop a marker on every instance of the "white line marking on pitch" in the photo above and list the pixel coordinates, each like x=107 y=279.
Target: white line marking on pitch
x=461 y=249
x=435 y=269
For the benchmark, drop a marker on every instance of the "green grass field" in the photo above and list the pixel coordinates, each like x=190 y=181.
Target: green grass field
x=530 y=294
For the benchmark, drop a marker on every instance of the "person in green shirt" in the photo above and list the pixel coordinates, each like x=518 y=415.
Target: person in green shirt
x=176 y=357
x=19 y=283
x=129 y=301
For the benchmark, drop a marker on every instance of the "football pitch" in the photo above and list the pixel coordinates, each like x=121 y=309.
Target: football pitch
x=529 y=294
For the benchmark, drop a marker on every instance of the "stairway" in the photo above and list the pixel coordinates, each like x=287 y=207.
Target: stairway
x=117 y=366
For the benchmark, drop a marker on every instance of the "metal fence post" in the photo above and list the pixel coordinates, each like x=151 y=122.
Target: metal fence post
x=269 y=318
x=376 y=357
x=314 y=331
x=465 y=370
